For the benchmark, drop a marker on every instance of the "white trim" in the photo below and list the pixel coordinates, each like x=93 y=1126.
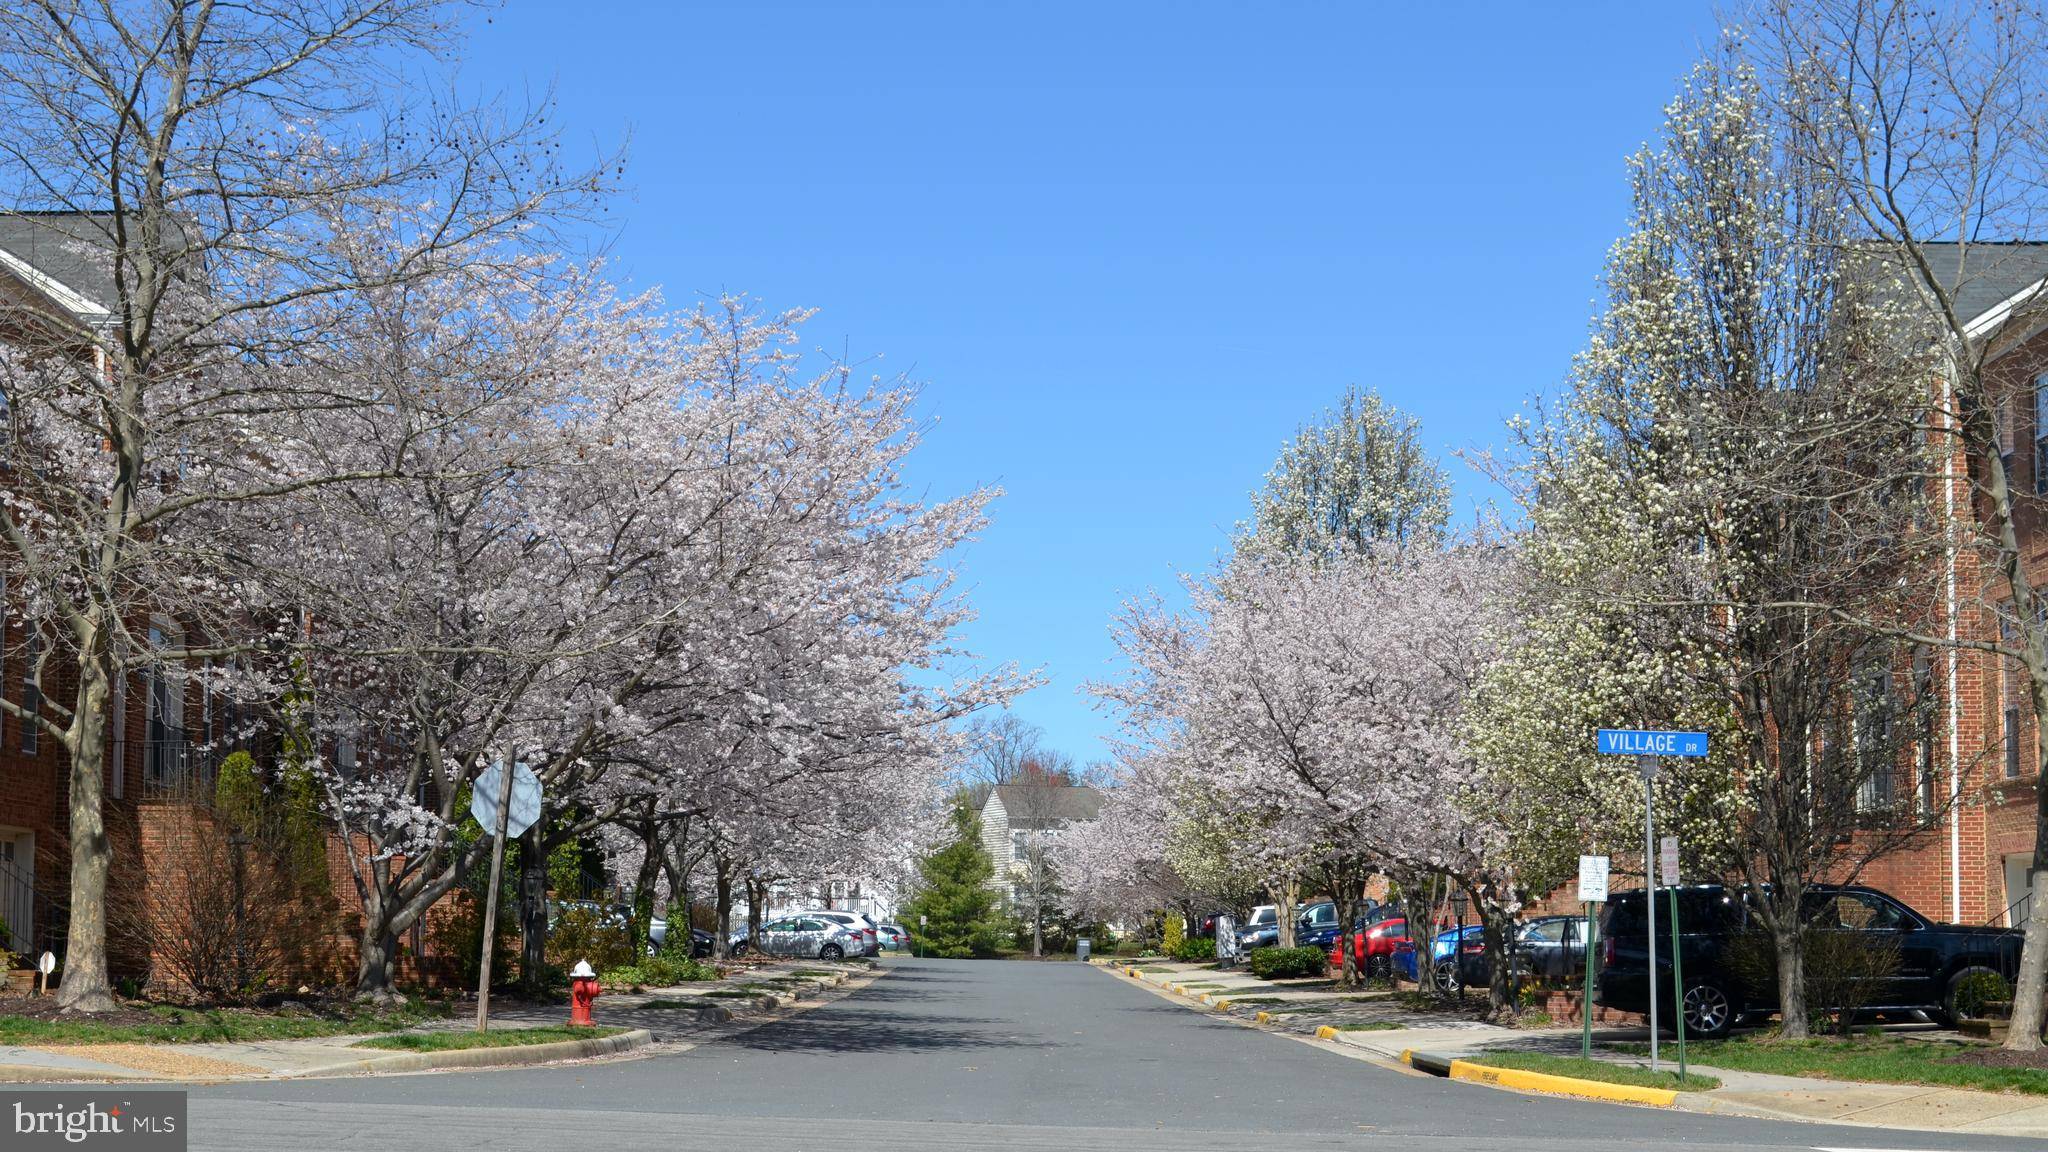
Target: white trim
x=1955 y=779
x=59 y=293
x=2002 y=311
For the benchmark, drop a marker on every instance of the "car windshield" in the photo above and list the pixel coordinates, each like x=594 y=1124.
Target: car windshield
x=1263 y=915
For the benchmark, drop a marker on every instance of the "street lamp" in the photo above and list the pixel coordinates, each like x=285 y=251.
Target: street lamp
x=1459 y=903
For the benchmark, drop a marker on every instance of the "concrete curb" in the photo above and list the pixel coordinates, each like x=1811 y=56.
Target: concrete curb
x=1518 y=1080
x=39 y=1074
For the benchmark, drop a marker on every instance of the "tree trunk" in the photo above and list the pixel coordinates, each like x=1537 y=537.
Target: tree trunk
x=2025 y=1030
x=1348 y=974
x=1283 y=909
x=643 y=888
x=722 y=894
x=1788 y=942
x=757 y=895
x=1497 y=934
x=85 y=986
x=533 y=911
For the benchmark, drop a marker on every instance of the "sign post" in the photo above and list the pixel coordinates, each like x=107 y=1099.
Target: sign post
x=1646 y=746
x=506 y=803
x=1592 y=890
x=1669 y=852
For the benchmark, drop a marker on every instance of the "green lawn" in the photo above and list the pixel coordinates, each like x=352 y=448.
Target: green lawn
x=1583 y=1069
x=1882 y=1060
x=497 y=1038
x=174 y=1025
x=1372 y=1026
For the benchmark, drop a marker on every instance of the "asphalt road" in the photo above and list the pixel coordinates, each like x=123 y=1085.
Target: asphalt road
x=981 y=1055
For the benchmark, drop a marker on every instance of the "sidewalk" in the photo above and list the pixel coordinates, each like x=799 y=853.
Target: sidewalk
x=1893 y=1106
x=651 y=1016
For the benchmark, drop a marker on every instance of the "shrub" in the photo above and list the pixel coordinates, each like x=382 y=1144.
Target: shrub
x=1176 y=932
x=585 y=934
x=1287 y=963
x=1130 y=948
x=1195 y=949
x=1978 y=989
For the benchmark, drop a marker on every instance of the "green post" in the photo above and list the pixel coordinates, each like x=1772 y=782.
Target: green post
x=1586 y=994
x=1677 y=985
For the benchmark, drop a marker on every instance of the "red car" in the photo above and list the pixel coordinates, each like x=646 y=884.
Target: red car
x=1372 y=945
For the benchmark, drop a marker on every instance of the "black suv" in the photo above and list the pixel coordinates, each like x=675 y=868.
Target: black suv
x=1933 y=958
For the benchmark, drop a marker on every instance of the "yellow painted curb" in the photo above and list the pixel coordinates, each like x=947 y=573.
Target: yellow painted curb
x=1408 y=1056
x=1262 y=1017
x=1325 y=1032
x=1559 y=1085
x=1222 y=1004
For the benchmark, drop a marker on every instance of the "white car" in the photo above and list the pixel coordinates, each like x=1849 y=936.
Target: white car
x=811 y=936
x=871 y=936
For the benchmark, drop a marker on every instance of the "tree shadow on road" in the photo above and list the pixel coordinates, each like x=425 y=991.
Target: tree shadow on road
x=869 y=1032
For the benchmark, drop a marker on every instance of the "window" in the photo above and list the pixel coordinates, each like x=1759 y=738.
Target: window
x=1924 y=706
x=1550 y=932
x=31 y=690
x=2041 y=435
x=1855 y=912
x=164 y=759
x=1874 y=748
x=2012 y=743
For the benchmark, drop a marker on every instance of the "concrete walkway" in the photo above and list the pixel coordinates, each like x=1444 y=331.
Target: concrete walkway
x=650 y=1016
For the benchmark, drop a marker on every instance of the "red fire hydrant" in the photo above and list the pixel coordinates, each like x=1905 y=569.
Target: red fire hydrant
x=582 y=990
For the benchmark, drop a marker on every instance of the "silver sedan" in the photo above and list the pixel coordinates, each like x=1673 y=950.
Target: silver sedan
x=811 y=937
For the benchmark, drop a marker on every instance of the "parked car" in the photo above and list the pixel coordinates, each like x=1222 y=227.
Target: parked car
x=1548 y=947
x=1374 y=937
x=1261 y=929
x=870 y=936
x=657 y=938
x=1441 y=948
x=894 y=938
x=1316 y=926
x=1934 y=958
x=810 y=936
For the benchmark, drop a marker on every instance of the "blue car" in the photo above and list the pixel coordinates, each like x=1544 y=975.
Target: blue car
x=1316 y=927
x=1440 y=951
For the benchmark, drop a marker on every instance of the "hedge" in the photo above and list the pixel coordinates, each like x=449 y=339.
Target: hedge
x=1286 y=963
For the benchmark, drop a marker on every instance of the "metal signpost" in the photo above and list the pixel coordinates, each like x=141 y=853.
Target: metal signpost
x=1668 y=853
x=505 y=804
x=1646 y=745
x=1592 y=890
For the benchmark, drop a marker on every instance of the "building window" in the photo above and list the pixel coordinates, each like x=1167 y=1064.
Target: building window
x=165 y=758
x=1874 y=749
x=2041 y=435
x=31 y=690
x=2012 y=743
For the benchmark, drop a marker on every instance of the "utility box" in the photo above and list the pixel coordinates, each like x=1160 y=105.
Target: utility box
x=1081 y=948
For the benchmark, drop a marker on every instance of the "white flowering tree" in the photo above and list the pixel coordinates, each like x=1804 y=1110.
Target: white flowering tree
x=1730 y=528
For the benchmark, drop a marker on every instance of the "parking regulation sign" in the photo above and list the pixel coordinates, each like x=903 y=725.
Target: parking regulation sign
x=1592 y=879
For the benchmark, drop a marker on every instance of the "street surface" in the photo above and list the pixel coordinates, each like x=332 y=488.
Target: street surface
x=981 y=1055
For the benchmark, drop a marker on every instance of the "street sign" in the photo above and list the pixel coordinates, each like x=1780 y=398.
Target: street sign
x=1641 y=742
x=1667 y=854
x=1592 y=879
x=490 y=784
x=920 y=921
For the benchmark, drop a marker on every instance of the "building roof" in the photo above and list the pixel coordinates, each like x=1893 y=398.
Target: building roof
x=1983 y=276
x=62 y=255
x=1042 y=805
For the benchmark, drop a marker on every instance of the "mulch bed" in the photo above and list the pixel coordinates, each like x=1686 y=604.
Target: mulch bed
x=45 y=1008
x=2003 y=1058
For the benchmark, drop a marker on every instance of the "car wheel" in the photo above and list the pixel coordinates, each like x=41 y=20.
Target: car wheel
x=831 y=952
x=1955 y=985
x=1447 y=975
x=1378 y=967
x=1708 y=1012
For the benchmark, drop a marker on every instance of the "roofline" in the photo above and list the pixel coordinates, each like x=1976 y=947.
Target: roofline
x=1995 y=317
x=58 y=292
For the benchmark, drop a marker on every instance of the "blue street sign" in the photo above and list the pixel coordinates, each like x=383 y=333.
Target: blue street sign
x=1633 y=742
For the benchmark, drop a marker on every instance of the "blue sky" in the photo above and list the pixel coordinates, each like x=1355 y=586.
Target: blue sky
x=1127 y=248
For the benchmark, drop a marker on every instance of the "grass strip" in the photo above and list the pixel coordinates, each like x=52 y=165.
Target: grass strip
x=496 y=1038
x=173 y=1025
x=1876 y=1060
